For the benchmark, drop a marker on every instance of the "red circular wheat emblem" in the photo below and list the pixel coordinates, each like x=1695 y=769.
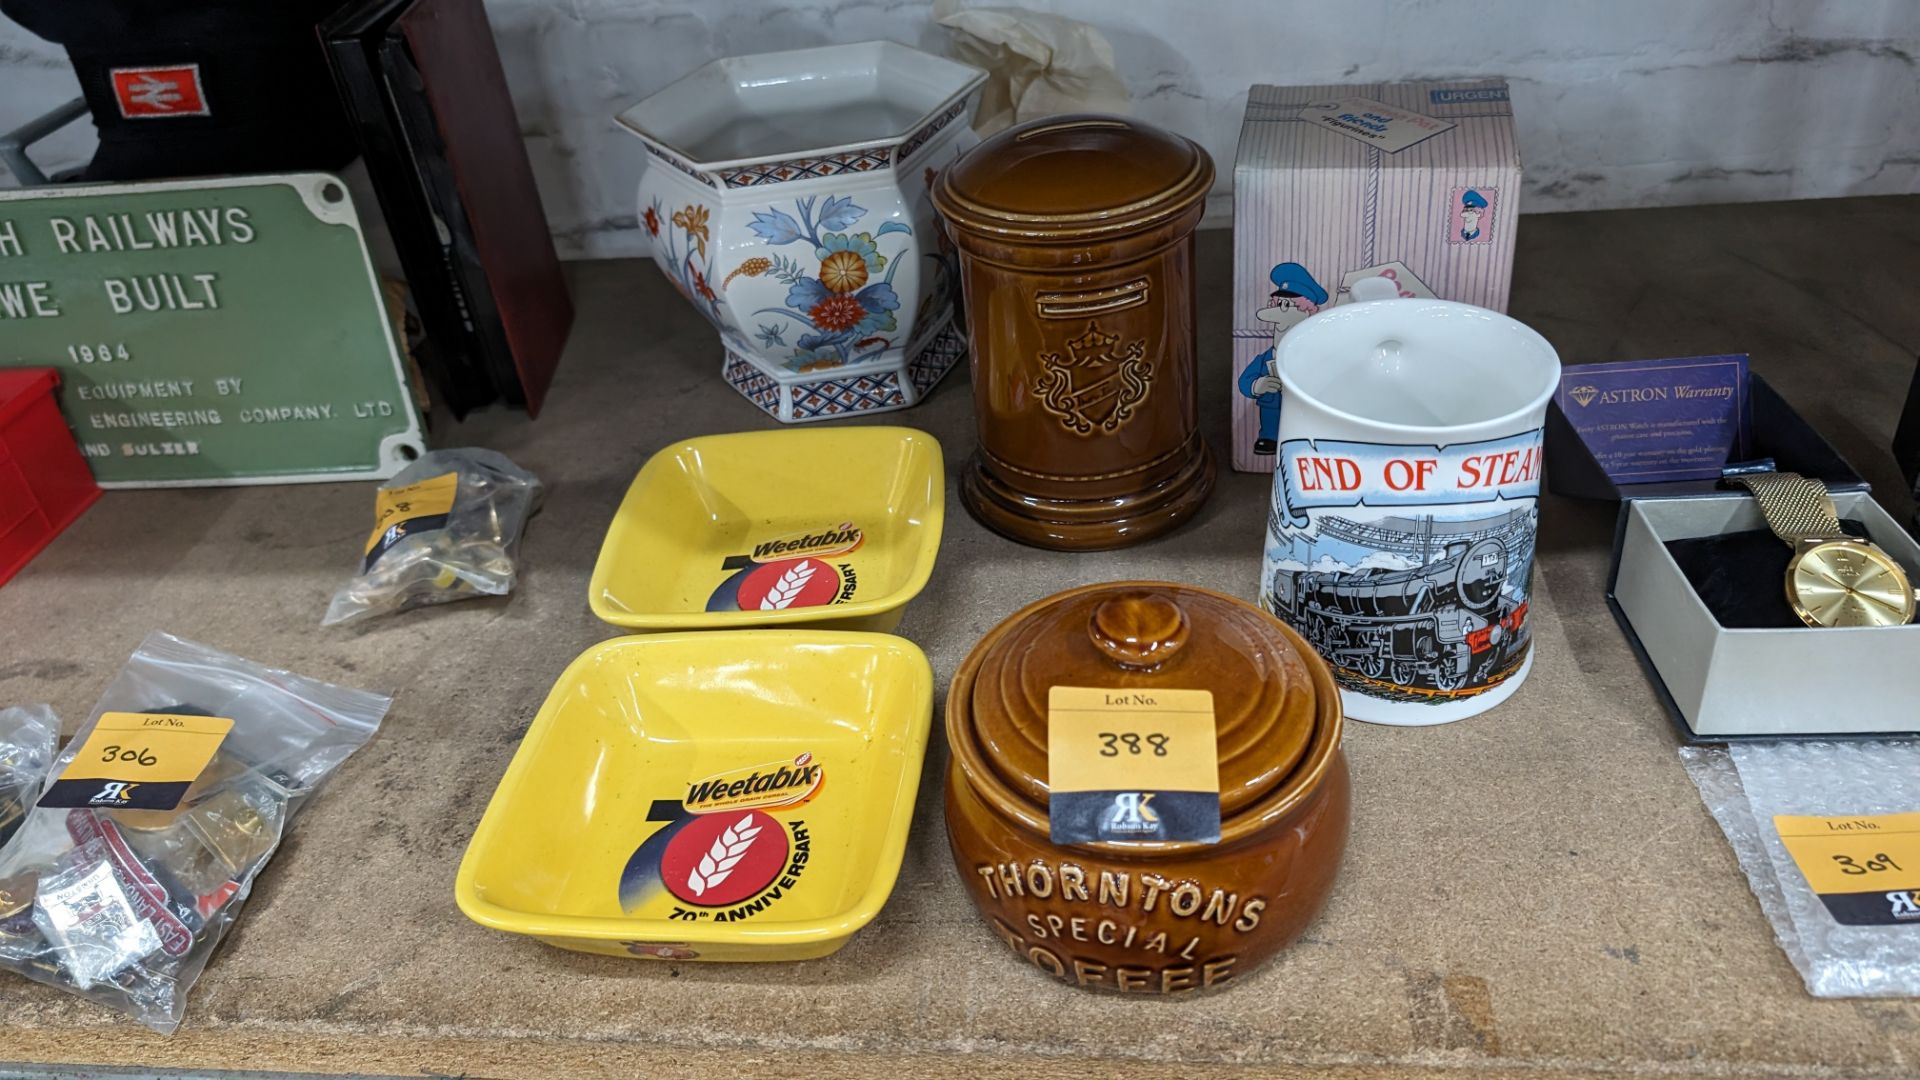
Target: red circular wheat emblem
x=790 y=583
x=722 y=859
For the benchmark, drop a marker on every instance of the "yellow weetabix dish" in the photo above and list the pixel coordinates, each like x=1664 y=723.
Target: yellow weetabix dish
x=831 y=527
x=708 y=796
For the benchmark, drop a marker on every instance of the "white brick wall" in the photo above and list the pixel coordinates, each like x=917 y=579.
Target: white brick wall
x=1623 y=103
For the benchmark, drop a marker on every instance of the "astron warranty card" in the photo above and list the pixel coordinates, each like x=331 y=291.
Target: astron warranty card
x=1648 y=421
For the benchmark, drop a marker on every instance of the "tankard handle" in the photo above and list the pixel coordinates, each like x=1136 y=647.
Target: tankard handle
x=1138 y=630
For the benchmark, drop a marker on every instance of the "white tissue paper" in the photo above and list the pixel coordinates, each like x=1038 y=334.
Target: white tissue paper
x=1037 y=65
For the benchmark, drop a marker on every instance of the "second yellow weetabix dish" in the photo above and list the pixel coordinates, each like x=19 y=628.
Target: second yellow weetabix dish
x=813 y=527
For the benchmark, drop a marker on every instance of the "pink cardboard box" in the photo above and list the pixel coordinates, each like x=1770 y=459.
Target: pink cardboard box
x=1416 y=181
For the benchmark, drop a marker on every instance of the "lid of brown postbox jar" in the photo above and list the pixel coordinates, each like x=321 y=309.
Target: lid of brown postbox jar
x=1073 y=178
x=1148 y=635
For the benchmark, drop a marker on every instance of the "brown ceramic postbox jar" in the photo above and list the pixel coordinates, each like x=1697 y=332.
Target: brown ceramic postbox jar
x=1075 y=236
x=1149 y=917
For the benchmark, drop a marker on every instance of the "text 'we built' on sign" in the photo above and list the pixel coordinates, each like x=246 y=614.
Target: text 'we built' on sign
x=208 y=331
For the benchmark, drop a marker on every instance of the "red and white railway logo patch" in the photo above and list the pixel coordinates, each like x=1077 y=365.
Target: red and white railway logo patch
x=145 y=92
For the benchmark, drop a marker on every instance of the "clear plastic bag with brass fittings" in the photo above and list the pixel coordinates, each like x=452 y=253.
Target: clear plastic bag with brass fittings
x=28 y=734
x=447 y=527
x=1747 y=785
x=125 y=906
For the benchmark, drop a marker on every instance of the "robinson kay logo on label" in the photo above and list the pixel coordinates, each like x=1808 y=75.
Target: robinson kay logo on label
x=114 y=793
x=1133 y=813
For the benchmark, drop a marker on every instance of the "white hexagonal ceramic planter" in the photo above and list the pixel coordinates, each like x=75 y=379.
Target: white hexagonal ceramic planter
x=786 y=197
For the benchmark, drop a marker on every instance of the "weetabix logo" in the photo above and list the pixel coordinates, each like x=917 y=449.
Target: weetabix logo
x=721 y=855
x=841 y=540
x=1584 y=395
x=791 y=571
x=774 y=783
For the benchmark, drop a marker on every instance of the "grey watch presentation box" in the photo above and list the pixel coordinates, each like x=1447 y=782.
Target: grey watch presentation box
x=1722 y=683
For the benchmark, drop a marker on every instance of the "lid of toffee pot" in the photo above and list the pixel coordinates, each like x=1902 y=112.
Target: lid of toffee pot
x=1072 y=178
x=1276 y=709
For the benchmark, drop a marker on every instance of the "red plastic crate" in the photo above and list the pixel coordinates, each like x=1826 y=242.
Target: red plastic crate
x=44 y=482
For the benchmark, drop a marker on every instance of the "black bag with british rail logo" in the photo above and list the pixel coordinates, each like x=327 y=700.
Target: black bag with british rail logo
x=199 y=87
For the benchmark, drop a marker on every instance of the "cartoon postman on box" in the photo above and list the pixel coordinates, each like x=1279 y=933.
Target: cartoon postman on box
x=1295 y=296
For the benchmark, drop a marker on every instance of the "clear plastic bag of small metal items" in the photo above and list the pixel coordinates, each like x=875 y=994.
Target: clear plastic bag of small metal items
x=28 y=734
x=149 y=829
x=1828 y=834
x=447 y=527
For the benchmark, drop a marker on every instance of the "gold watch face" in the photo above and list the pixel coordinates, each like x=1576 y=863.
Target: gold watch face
x=1847 y=583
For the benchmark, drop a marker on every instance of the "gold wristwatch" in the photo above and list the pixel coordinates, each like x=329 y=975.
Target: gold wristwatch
x=1834 y=579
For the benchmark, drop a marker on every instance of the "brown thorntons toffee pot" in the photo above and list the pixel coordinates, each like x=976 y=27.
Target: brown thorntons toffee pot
x=1148 y=916
x=1075 y=236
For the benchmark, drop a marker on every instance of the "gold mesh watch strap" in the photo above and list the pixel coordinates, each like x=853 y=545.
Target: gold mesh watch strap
x=1796 y=508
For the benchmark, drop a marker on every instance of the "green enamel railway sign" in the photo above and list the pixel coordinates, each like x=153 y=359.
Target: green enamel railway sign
x=222 y=331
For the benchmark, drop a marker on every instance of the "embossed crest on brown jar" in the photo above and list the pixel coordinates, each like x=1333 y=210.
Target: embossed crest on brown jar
x=1149 y=917
x=1075 y=236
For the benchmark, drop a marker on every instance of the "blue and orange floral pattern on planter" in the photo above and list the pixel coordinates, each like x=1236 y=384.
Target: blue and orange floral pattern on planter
x=840 y=304
x=691 y=269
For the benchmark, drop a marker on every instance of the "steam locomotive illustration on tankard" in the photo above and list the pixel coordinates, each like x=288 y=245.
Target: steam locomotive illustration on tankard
x=1406 y=494
x=1444 y=625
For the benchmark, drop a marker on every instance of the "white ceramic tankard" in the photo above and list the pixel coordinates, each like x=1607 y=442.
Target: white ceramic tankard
x=1405 y=500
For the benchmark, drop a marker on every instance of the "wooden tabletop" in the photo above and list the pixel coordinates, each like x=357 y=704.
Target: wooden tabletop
x=1537 y=890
